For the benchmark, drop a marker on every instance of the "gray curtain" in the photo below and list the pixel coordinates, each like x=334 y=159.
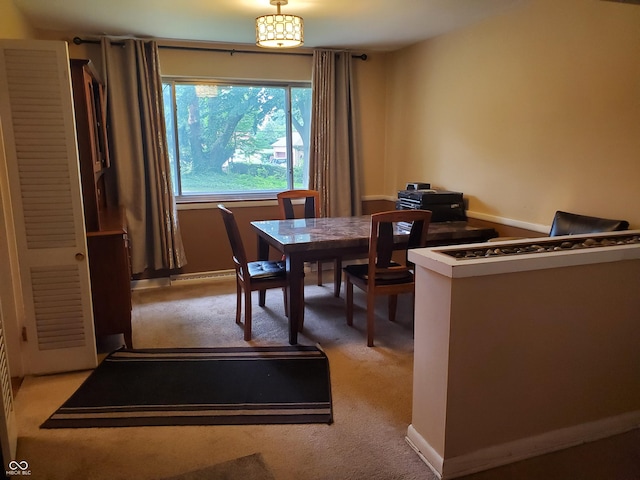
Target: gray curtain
x=140 y=156
x=334 y=160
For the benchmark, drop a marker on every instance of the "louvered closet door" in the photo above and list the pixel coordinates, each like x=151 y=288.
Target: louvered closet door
x=8 y=426
x=42 y=164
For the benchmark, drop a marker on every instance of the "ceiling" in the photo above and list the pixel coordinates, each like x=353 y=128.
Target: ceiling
x=354 y=24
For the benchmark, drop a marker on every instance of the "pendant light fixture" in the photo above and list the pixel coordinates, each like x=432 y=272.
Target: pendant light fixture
x=279 y=30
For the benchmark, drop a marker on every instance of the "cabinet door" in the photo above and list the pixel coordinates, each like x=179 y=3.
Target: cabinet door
x=90 y=104
x=110 y=281
x=43 y=175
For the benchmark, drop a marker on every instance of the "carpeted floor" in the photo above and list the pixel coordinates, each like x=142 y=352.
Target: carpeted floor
x=371 y=390
x=251 y=467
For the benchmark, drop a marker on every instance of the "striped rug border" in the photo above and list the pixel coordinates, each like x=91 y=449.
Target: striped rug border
x=201 y=414
x=221 y=353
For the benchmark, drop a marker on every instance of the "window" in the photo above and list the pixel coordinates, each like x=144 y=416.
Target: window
x=235 y=139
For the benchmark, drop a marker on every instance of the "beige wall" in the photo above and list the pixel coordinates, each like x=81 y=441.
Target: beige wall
x=371 y=92
x=12 y=23
x=546 y=375
x=526 y=113
x=223 y=65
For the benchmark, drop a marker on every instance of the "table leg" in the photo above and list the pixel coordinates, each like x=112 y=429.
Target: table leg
x=295 y=274
x=263 y=254
x=263 y=249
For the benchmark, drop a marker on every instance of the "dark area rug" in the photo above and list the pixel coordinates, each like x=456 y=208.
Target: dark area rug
x=202 y=386
x=251 y=467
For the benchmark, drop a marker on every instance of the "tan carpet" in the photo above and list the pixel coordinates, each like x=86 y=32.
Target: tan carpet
x=371 y=390
x=251 y=467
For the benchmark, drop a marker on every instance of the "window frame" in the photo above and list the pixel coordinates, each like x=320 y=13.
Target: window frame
x=232 y=196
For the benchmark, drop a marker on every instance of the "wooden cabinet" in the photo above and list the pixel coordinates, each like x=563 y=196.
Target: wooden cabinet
x=90 y=111
x=110 y=278
x=105 y=222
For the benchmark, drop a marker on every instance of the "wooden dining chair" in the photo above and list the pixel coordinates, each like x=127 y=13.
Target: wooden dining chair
x=381 y=275
x=311 y=209
x=251 y=276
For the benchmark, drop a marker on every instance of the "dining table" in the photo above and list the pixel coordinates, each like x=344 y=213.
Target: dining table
x=311 y=239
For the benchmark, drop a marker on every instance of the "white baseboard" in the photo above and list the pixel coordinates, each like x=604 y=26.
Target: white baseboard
x=371 y=198
x=150 y=283
x=198 y=277
x=425 y=451
x=535 y=227
x=201 y=277
x=522 y=449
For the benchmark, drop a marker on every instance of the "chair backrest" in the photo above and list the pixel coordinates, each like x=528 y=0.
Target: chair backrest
x=565 y=223
x=382 y=239
x=237 y=247
x=311 y=203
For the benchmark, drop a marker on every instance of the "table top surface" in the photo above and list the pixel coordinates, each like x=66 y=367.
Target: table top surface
x=337 y=232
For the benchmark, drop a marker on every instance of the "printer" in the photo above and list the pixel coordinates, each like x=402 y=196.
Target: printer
x=445 y=206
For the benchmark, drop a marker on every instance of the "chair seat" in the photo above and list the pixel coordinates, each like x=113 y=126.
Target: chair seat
x=390 y=278
x=251 y=276
x=266 y=269
x=385 y=278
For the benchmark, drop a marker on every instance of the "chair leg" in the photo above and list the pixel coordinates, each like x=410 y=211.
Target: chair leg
x=393 y=305
x=285 y=298
x=349 y=289
x=238 y=303
x=301 y=323
x=337 y=276
x=262 y=295
x=319 y=267
x=371 y=316
x=247 y=315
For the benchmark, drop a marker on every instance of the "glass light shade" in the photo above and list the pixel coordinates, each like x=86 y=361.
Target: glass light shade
x=279 y=31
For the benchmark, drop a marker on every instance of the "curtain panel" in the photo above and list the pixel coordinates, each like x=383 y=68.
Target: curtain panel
x=140 y=155
x=334 y=158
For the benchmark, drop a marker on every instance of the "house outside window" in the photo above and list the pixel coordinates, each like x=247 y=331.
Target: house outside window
x=234 y=140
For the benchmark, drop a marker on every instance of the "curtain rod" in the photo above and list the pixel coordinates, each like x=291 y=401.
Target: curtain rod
x=231 y=51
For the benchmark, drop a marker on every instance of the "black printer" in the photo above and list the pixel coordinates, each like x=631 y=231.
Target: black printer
x=445 y=206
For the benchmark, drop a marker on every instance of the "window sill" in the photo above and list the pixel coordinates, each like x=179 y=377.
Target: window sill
x=203 y=202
